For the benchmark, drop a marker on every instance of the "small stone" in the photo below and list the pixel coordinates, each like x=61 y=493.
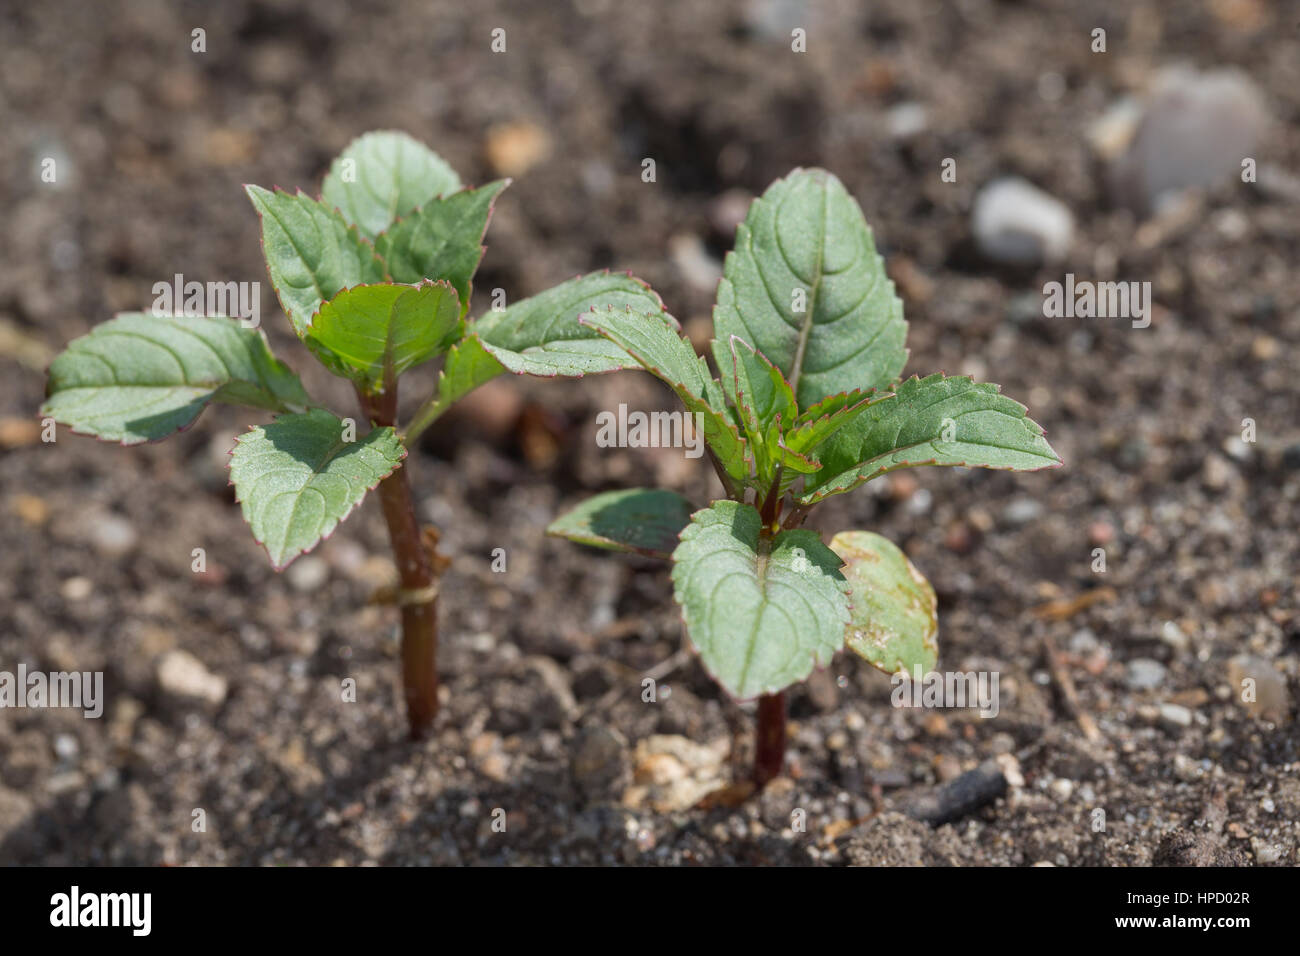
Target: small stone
x=1195 y=130
x=958 y=538
x=919 y=503
x=1216 y=473
x=1100 y=534
x=77 y=588
x=1175 y=716
x=1186 y=769
x=1257 y=685
x=1022 y=511
x=112 y=536
x=1145 y=674
x=600 y=761
x=906 y=121
x=1062 y=788
x=31 y=509
x=66 y=747
x=514 y=148
x=19 y=432
x=308 y=573
x=1265 y=852
x=700 y=270
x=184 y=676
x=1084 y=642
x=1016 y=223
x=1010 y=768
x=1174 y=636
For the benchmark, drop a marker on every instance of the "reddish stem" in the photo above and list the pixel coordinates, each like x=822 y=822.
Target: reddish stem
x=418 y=599
x=769 y=748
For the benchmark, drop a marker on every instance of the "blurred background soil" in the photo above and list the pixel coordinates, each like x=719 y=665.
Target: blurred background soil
x=223 y=687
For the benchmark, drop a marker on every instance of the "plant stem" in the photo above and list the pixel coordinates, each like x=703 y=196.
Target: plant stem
x=417 y=597
x=424 y=416
x=769 y=747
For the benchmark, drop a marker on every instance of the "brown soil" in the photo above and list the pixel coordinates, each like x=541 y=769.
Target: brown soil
x=543 y=716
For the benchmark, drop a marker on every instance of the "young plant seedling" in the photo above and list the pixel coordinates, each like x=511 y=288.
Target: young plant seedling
x=375 y=277
x=809 y=346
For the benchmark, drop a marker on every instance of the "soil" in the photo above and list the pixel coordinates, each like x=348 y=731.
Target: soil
x=543 y=716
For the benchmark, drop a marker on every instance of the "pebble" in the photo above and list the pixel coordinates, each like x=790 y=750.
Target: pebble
x=1272 y=699
x=600 y=761
x=1100 y=534
x=1016 y=223
x=1022 y=511
x=1216 y=473
x=514 y=148
x=77 y=588
x=1195 y=129
x=111 y=535
x=1144 y=674
x=1084 y=642
x=66 y=747
x=1175 y=716
x=1265 y=852
x=308 y=573
x=1174 y=636
x=906 y=120
x=183 y=675
x=700 y=270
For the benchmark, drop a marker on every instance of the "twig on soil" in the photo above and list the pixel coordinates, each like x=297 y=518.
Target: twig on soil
x=1060 y=671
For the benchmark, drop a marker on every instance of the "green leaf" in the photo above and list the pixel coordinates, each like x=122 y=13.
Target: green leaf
x=640 y=520
x=384 y=175
x=652 y=339
x=762 y=612
x=373 y=333
x=297 y=478
x=819 y=422
x=931 y=421
x=755 y=386
x=443 y=239
x=311 y=253
x=806 y=235
x=541 y=335
x=141 y=377
x=894 y=619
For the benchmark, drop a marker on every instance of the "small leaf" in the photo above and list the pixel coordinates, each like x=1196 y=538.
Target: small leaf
x=640 y=520
x=760 y=394
x=762 y=612
x=931 y=421
x=819 y=422
x=805 y=243
x=311 y=253
x=384 y=175
x=141 y=377
x=653 y=340
x=541 y=335
x=894 y=619
x=373 y=333
x=443 y=239
x=296 y=478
